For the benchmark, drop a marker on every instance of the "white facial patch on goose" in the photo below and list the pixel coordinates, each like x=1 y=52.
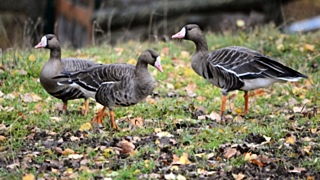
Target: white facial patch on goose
x=157 y=64
x=44 y=41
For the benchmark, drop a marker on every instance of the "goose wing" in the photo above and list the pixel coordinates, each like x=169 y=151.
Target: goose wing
x=249 y=64
x=92 y=78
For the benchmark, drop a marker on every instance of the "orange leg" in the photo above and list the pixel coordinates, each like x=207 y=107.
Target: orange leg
x=113 y=123
x=246 y=102
x=64 y=107
x=86 y=107
x=98 y=117
x=223 y=105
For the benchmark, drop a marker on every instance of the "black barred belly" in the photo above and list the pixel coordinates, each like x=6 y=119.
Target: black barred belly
x=68 y=93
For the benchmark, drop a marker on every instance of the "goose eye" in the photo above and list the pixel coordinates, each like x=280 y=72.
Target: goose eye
x=189 y=28
x=49 y=38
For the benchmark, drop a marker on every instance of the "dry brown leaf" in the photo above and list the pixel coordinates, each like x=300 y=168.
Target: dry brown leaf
x=239 y=176
x=309 y=47
x=13 y=166
x=264 y=159
x=184 y=159
x=2 y=138
x=185 y=54
x=229 y=152
x=257 y=162
x=214 y=116
x=28 y=177
x=31 y=97
x=313 y=130
x=138 y=122
x=165 y=50
x=249 y=156
x=84 y=168
x=67 y=151
x=126 y=147
x=175 y=159
x=151 y=100
x=38 y=108
x=307 y=149
x=310 y=178
x=259 y=92
x=290 y=139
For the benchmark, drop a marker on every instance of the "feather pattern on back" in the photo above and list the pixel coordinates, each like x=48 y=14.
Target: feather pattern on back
x=115 y=84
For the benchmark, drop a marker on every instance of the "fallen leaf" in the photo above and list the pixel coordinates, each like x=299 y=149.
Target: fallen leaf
x=138 y=122
x=310 y=178
x=126 y=147
x=75 y=156
x=185 y=54
x=32 y=58
x=174 y=168
x=257 y=162
x=28 y=177
x=107 y=152
x=164 y=134
x=85 y=127
x=13 y=166
x=214 y=116
x=67 y=151
x=249 y=156
x=170 y=176
x=2 y=138
x=297 y=170
x=307 y=149
x=180 y=177
x=229 y=152
x=239 y=176
x=184 y=159
x=132 y=61
x=74 y=138
x=291 y=139
x=165 y=50
x=56 y=119
x=297 y=109
x=309 y=47
x=31 y=97
x=154 y=176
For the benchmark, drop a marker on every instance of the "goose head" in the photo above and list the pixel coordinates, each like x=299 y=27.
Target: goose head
x=151 y=57
x=48 y=41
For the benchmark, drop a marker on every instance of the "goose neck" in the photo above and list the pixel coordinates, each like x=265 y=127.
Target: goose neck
x=55 y=53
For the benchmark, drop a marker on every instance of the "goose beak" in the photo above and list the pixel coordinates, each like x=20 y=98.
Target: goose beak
x=157 y=64
x=42 y=43
x=180 y=35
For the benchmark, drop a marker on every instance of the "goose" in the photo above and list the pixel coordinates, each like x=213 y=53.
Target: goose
x=235 y=67
x=54 y=66
x=115 y=85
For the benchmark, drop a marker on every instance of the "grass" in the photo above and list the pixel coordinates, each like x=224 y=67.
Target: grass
x=270 y=115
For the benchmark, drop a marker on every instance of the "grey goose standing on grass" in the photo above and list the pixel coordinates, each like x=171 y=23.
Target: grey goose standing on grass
x=116 y=84
x=234 y=68
x=55 y=66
